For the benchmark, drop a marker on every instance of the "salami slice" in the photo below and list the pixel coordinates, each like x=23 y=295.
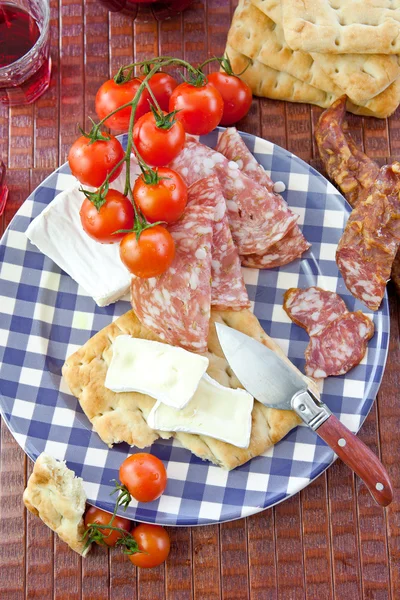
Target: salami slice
x=228 y=291
x=340 y=346
x=233 y=147
x=257 y=218
x=292 y=246
x=313 y=308
x=176 y=305
x=369 y=244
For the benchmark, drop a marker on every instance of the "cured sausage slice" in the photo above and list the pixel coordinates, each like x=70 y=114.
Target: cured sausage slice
x=283 y=252
x=313 y=308
x=340 y=346
x=176 y=305
x=257 y=218
x=233 y=147
x=369 y=244
x=228 y=290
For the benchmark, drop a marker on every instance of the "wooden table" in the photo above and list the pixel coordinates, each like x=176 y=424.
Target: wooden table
x=329 y=541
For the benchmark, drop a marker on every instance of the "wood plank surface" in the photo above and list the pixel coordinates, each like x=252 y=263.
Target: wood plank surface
x=330 y=542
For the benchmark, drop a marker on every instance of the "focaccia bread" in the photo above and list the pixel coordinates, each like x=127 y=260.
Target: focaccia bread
x=342 y=26
x=359 y=76
x=122 y=417
x=56 y=496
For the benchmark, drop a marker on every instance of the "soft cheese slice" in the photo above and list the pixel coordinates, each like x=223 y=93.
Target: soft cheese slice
x=215 y=410
x=166 y=373
x=58 y=233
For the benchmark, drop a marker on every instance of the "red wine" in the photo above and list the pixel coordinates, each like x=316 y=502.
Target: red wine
x=18 y=33
x=161 y=9
x=27 y=79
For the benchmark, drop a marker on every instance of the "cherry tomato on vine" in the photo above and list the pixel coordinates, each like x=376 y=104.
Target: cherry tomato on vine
x=151 y=254
x=162 y=85
x=154 y=543
x=200 y=107
x=110 y=96
x=158 y=144
x=164 y=200
x=236 y=94
x=116 y=213
x=91 y=162
x=143 y=474
x=101 y=517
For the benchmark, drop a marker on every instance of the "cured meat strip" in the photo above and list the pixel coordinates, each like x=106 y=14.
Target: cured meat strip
x=367 y=249
x=340 y=346
x=257 y=218
x=228 y=291
x=176 y=305
x=283 y=252
x=348 y=166
x=233 y=147
x=313 y=308
x=293 y=244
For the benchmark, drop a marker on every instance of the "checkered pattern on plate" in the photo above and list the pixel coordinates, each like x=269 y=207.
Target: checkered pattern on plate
x=45 y=316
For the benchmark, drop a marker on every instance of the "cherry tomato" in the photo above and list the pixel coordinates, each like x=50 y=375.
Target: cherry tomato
x=91 y=162
x=149 y=256
x=236 y=94
x=154 y=542
x=200 y=108
x=112 y=95
x=162 y=201
x=143 y=474
x=101 y=517
x=158 y=146
x=116 y=213
x=162 y=85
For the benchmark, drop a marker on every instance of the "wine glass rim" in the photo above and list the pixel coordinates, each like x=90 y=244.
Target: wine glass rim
x=45 y=4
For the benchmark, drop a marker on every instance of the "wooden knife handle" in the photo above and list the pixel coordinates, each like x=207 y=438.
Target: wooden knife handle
x=359 y=458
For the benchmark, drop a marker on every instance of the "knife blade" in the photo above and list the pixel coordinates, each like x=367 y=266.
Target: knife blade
x=277 y=385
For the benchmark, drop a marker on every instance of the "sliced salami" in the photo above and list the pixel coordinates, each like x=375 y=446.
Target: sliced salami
x=313 y=308
x=228 y=291
x=340 y=346
x=233 y=147
x=257 y=218
x=292 y=246
x=176 y=305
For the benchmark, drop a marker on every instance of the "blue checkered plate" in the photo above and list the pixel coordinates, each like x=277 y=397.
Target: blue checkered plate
x=45 y=316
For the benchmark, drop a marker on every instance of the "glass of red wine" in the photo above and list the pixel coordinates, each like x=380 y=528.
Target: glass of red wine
x=161 y=9
x=25 y=64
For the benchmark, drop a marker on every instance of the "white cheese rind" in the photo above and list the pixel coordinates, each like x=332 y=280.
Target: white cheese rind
x=166 y=373
x=216 y=411
x=58 y=233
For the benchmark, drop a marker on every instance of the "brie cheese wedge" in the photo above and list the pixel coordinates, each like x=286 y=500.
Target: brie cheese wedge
x=215 y=410
x=58 y=233
x=167 y=373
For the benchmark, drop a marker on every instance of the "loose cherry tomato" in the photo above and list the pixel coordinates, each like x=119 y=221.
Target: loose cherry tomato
x=101 y=517
x=116 y=213
x=111 y=96
x=162 y=85
x=158 y=145
x=143 y=474
x=200 y=108
x=91 y=162
x=236 y=94
x=154 y=543
x=149 y=256
x=164 y=200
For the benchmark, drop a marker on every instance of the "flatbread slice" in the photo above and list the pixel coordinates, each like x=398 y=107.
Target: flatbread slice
x=122 y=417
x=269 y=83
x=342 y=27
x=368 y=80
x=56 y=496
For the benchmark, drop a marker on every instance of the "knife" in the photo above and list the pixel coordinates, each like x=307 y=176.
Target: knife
x=275 y=384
